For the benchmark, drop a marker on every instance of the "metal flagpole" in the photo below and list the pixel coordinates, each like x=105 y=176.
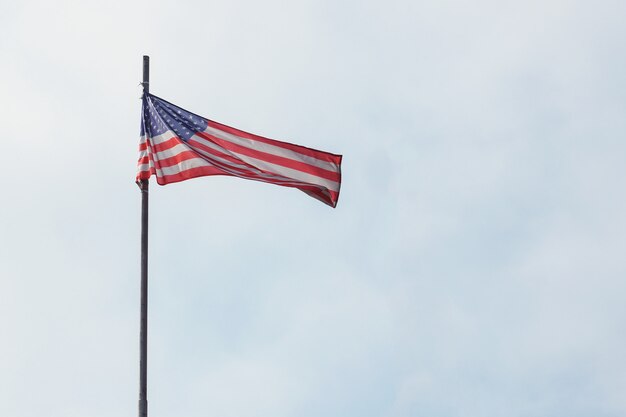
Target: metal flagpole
x=143 y=331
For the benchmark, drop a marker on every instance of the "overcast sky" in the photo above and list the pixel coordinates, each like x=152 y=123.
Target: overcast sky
x=475 y=265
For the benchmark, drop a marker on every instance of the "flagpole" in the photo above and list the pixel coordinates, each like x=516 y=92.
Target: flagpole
x=143 y=331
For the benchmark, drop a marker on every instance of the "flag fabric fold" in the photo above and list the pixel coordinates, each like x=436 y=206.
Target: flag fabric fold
x=177 y=145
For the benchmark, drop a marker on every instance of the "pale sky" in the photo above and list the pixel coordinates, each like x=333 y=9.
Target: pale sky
x=475 y=265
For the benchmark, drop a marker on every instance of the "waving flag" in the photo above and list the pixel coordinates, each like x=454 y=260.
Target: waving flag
x=177 y=145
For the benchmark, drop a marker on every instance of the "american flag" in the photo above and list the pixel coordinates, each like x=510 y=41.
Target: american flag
x=177 y=145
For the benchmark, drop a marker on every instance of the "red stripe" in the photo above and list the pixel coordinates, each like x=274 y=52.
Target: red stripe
x=247 y=171
x=240 y=168
x=274 y=159
x=250 y=172
x=167 y=144
x=329 y=197
x=161 y=146
x=195 y=144
x=242 y=172
x=314 y=153
x=176 y=159
x=188 y=174
x=174 y=141
x=239 y=171
x=185 y=156
x=142 y=175
x=192 y=154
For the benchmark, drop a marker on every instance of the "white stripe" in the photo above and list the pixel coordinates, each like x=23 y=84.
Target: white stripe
x=173 y=151
x=183 y=147
x=287 y=173
x=163 y=137
x=227 y=167
x=224 y=164
x=283 y=174
x=182 y=166
x=218 y=148
x=143 y=168
x=168 y=153
x=271 y=149
x=220 y=160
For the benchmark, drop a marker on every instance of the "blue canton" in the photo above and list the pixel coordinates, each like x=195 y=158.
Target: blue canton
x=160 y=116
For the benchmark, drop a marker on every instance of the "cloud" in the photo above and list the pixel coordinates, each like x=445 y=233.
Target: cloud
x=473 y=265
